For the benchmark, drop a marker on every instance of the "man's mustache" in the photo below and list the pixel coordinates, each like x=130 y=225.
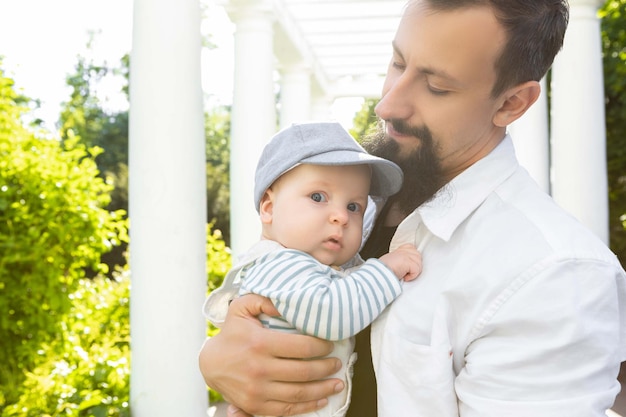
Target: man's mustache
x=418 y=132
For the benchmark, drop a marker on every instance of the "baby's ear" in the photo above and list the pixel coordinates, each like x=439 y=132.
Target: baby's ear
x=516 y=101
x=266 y=207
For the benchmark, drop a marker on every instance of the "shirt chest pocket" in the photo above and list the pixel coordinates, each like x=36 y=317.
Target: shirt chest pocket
x=419 y=377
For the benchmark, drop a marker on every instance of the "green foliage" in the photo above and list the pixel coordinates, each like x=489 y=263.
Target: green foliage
x=365 y=120
x=12 y=106
x=219 y=261
x=217 y=136
x=83 y=115
x=218 y=258
x=86 y=370
x=53 y=226
x=613 y=16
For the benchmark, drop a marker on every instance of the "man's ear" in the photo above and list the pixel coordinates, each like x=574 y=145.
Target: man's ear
x=516 y=101
x=266 y=207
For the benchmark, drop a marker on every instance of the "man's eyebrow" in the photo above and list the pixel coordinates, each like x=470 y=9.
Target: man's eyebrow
x=426 y=69
x=396 y=50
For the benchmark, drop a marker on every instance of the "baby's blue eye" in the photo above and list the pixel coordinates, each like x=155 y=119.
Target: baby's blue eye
x=317 y=197
x=353 y=207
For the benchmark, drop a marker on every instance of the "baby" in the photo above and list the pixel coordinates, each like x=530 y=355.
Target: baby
x=312 y=185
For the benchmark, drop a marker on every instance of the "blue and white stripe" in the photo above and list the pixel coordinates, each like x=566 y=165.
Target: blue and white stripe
x=317 y=299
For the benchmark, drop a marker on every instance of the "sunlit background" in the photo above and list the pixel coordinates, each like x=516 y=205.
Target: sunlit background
x=40 y=41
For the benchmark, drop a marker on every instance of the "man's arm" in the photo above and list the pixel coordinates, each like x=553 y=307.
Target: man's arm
x=261 y=370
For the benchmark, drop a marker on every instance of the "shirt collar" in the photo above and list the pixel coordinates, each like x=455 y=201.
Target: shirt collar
x=461 y=196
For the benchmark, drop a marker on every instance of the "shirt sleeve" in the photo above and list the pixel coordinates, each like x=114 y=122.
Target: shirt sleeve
x=551 y=348
x=316 y=299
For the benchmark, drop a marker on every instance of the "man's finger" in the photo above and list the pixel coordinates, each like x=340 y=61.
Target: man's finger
x=279 y=408
x=291 y=345
x=234 y=411
x=296 y=370
x=309 y=393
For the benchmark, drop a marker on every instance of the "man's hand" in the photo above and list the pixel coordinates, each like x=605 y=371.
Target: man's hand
x=261 y=371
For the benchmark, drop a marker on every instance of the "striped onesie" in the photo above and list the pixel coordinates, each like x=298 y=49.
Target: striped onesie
x=320 y=301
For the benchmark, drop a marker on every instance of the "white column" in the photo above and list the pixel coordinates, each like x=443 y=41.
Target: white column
x=253 y=119
x=531 y=140
x=578 y=128
x=295 y=94
x=167 y=210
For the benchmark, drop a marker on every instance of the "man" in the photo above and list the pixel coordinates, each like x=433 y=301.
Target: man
x=519 y=310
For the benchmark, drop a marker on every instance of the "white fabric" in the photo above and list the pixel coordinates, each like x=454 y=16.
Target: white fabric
x=216 y=304
x=519 y=311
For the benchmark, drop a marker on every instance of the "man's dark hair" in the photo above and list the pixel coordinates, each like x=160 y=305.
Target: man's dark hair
x=535 y=30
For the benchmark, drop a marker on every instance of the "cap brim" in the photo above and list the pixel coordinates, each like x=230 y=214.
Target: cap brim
x=386 y=176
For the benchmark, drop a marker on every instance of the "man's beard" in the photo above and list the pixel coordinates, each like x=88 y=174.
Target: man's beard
x=422 y=170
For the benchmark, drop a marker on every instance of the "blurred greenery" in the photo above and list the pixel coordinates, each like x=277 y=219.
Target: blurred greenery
x=84 y=115
x=65 y=338
x=219 y=261
x=613 y=15
x=53 y=225
x=365 y=120
x=217 y=142
x=85 y=369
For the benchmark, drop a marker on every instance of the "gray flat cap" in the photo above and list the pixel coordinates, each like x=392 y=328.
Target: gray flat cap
x=326 y=143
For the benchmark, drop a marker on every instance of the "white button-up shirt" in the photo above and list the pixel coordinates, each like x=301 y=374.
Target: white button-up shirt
x=520 y=311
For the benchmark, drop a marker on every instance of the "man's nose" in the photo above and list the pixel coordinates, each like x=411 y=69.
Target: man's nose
x=398 y=99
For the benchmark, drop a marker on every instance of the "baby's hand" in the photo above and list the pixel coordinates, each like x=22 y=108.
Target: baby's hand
x=405 y=262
